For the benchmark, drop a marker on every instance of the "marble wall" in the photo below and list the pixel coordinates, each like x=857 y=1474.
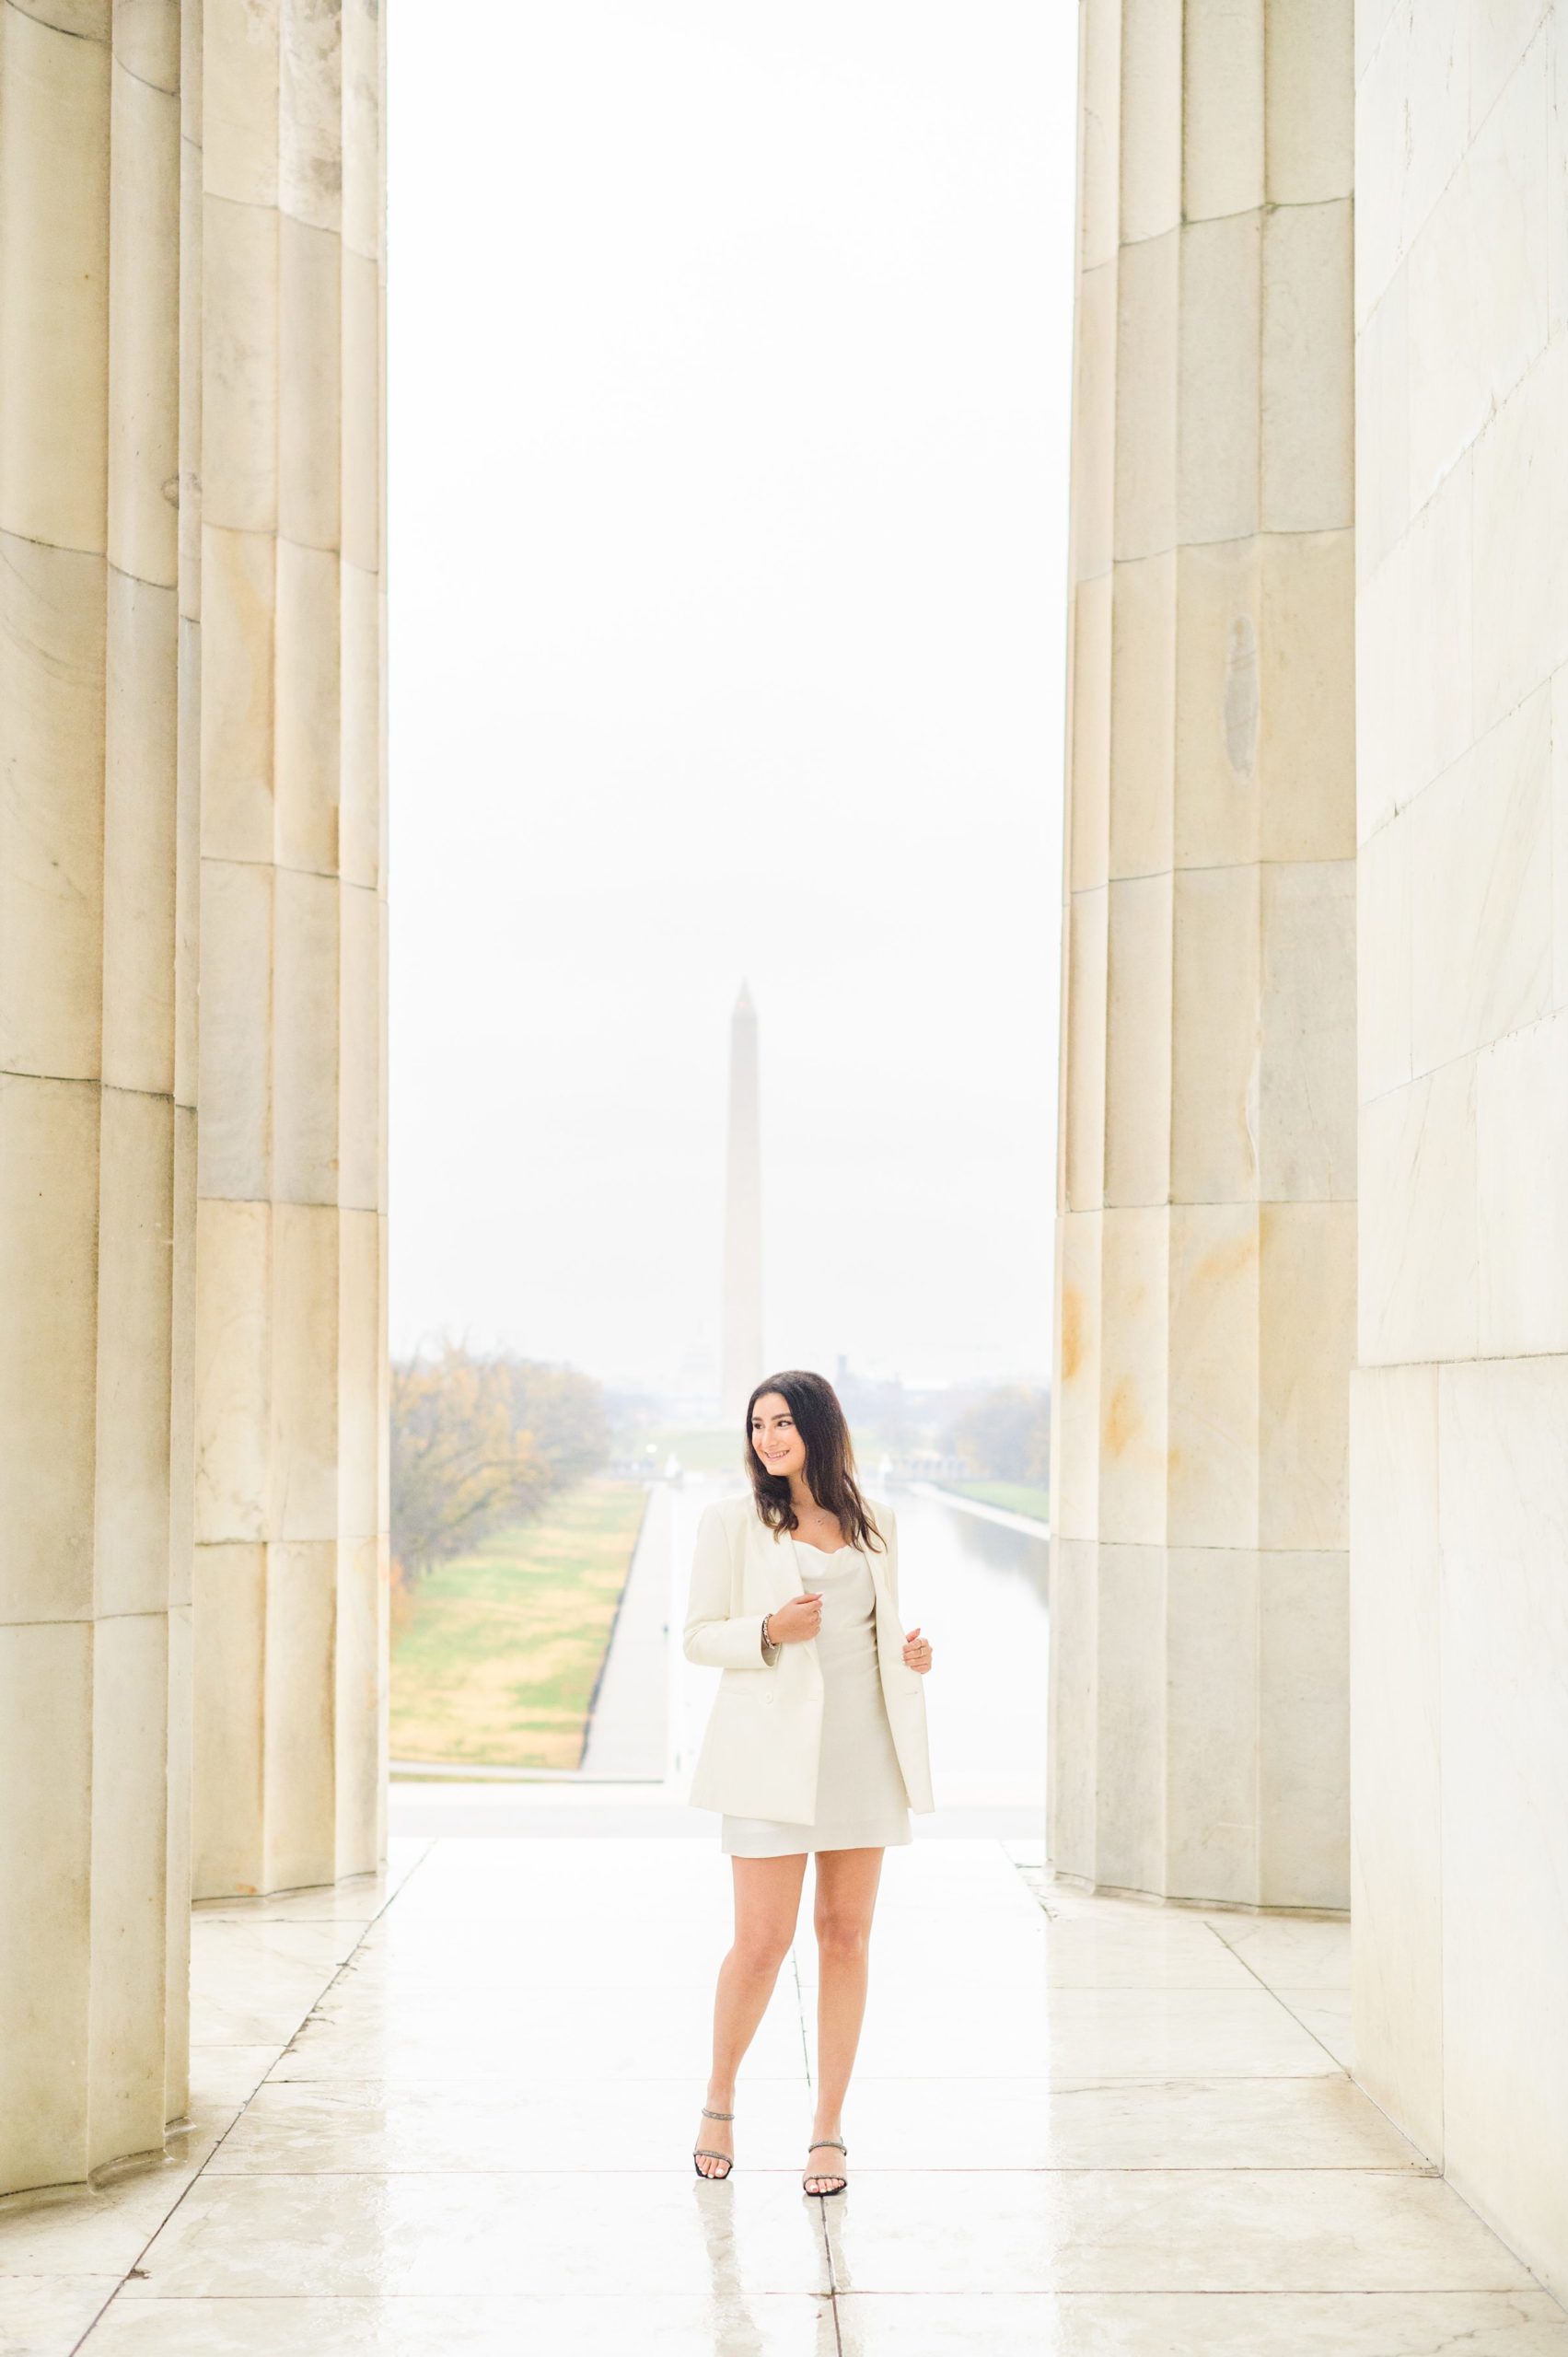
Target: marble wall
x=290 y=1513
x=1206 y=1236
x=98 y=1075
x=1459 y=1541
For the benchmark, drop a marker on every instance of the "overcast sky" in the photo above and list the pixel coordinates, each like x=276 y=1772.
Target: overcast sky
x=729 y=358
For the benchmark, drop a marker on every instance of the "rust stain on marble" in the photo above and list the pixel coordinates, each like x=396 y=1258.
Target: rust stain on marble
x=1122 y=1421
x=1072 y=1332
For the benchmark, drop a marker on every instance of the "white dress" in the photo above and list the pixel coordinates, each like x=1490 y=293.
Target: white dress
x=861 y=1800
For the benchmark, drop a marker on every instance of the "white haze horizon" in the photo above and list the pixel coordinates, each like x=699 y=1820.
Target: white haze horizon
x=729 y=358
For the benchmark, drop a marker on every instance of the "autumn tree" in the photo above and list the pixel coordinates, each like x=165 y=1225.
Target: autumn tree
x=460 y=1467
x=1005 y=1437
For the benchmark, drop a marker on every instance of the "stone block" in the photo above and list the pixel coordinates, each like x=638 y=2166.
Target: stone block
x=239 y=366
x=1477 y=282
x=310 y=113
x=1521 y=542
x=363 y=32
x=176 y=1880
x=1383 y=886
x=306 y=1037
x=1307 y=1328
x=361 y=918
x=236 y=1071
x=1521 y=1201
x=1502 y=37
x=1143 y=696
x=1504 y=1516
x=148 y=41
x=1383 y=498
x=1211 y=1780
x=1307 y=672
x=53 y=284
x=1134 y=1375
x=52 y=696
x=306 y=771
x=1220 y=386
x=229 y=1654
x=49 y=1206
x=1151 y=117
x=1130 y=1718
x=1310 y=110
x=1415 y=709
x=233 y=1494
x=1099 y=121
x=1216 y=1035
x=1218 y=628
x=1480 y=891
x=1088 y=803
x=1222 y=158
x=130 y=1833
x=140 y=812
x=360 y=1674
x=1396 y=1748
x=1213 y=1477
x=1303 y=1762
x=1075 y=1418
x=1417 y=1197
x=1146 y=378
x=359 y=1379
x=1075 y=1686
x=306 y=1341
x=361 y=422
x=239 y=41
x=1308 y=459
x=1306 y=1107
x=1084 y=1096
x=236 y=692
x=1137 y=1049
x=299 y=1814
x=143 y=329
x=46 y=1714
x=135 y=1311
x=1094 y=423
x=310 y=370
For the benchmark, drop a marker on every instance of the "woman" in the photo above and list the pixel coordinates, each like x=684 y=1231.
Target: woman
x=816 y=1742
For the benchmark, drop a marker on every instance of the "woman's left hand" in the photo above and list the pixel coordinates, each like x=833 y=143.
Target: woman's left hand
x=917 y=1651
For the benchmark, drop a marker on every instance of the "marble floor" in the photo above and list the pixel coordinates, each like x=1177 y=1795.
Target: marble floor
x=446 y=2113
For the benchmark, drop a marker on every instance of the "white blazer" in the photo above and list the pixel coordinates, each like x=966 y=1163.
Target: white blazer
x=760 y=1754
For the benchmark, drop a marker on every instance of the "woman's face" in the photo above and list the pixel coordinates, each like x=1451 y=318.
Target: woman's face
x=774 y=1438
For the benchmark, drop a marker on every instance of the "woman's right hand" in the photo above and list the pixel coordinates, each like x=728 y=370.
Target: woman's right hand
x=792 y=1623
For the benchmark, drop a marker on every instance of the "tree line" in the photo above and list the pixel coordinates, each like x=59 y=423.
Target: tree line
x=479 y=1442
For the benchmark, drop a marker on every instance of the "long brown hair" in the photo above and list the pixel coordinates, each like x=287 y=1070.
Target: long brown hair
x=830 y=1458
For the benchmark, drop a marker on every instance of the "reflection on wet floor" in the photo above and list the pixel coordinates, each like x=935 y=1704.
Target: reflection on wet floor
x=448 y=2113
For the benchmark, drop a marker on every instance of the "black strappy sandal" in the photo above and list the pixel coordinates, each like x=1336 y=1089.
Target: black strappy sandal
x=706 y=2153
x=820 y=2193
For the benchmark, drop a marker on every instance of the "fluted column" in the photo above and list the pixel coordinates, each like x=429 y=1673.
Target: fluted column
x=291 y=1478
x=1205 y=1238
x=97 y=1007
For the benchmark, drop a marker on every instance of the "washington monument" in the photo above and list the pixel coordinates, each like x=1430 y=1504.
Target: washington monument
x=741 y=1361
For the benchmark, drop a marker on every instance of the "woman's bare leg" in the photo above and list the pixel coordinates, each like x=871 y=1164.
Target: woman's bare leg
x=846 y=1899
x=767 y=1902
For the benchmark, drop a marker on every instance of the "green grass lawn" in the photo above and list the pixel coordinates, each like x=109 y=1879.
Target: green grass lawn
x=1012 y=1497
x=496 y=1660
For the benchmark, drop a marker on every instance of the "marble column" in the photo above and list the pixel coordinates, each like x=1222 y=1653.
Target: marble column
x=291 y=1482
x=98 y=1001
x=1205 y=1235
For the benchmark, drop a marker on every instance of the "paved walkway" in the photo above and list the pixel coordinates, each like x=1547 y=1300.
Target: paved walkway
x=446 y=2115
